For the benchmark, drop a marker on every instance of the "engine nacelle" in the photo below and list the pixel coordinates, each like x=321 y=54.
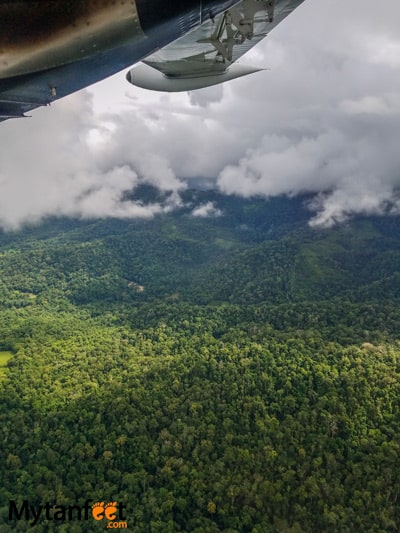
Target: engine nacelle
x=150 y=78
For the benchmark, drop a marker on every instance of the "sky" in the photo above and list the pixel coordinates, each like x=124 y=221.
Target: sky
x=325 y=119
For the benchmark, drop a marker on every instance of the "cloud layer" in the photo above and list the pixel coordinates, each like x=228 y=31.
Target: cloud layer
x=324 y=119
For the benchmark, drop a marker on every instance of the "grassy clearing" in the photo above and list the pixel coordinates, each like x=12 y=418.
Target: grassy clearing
x=225 y=244
x=4 y=357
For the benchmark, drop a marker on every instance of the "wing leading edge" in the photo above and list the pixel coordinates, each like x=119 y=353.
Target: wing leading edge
x=207 y=55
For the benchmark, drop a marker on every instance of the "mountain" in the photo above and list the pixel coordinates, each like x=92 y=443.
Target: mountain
x=230 y=372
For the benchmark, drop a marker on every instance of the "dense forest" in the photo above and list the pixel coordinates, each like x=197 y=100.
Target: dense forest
x=235 y=373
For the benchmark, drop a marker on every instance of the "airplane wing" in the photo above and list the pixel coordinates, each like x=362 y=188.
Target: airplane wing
x=51 y=49
x=207 y=55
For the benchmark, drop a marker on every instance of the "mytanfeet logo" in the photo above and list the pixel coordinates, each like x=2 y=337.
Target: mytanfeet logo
x=111 y=512
x=108 y=511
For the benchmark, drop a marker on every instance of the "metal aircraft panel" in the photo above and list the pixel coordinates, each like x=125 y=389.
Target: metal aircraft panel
x=52 y=48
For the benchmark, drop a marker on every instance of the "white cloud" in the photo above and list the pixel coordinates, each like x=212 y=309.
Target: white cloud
x=324 y=119
x=63 y=168
x=384 y=104
x=207 y=210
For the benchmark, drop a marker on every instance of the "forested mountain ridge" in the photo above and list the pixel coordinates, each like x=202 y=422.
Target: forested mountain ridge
x=237 y=372
x=257 y=251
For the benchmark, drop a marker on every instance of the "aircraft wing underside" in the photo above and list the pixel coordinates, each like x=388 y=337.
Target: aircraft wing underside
x=24 y=93
x=197 y=43
x=49 y=49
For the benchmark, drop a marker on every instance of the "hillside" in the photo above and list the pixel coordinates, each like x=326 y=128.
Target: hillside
x=230 y=373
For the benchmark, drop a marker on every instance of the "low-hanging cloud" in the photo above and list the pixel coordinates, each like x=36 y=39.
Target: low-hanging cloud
x=57 y=168
x=354 y=167
x=207 y=210
x=325 y=119
x=336 y=134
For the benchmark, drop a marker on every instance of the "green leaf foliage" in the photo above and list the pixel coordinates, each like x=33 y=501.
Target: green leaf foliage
x=235 y=374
